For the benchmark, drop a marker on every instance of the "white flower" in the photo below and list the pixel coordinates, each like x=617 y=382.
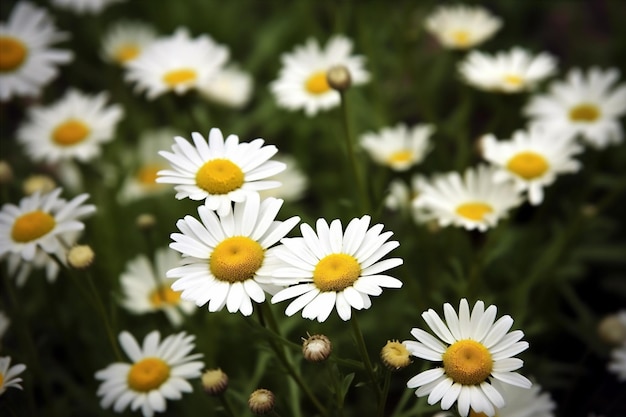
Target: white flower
x=531 y=159
x=475 y=351
x=398 y=147
x=231 y=87
x=588 y=105
x=21 y=269
x=332 y=268
x=524 y=402
x=158 y=372
x=220 y=171
x=228 y=260
x=125 y=40
x=473 y=201
x=176 y=63
x=462 y=26
x=617 y=363
x=511 y=71
x=8 y=374
x=302 y=84
x=74 y=127
x=84 y=6
x=27 y=63
x=400 y=198
x=293 y=181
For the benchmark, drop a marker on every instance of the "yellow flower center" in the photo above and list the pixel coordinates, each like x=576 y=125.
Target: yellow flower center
x=236 y=259
x=461 y=38
x=584 y=113
x=514 y=80
x=400 y=157
x=148 y=374
x=164 y=296
x=395 y=355
x=336 y=272
x=147 y=174
x=179 y=76
x=70 y=133
x=12 y=53
x=474 y=211
x=31 y=226
x=317 y=83
x=475 y=414
x=126 y=52
x=467 y=362
x=1 y=379
x=528 y=165
x=219 y=176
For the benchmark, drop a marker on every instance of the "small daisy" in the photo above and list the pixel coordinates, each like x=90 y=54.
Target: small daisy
x=158 y=372
x=125 y=40
x=176 y=63
x=72 y=128
x=228 y=259
x=511 y=71
x=588 y=105
x=293 y=180
x=398 y=147
x=475 y=351
x=462 y=26
x=219 y=171
x=532 y=159
x=8 y=374
x=302 y=84
x=146 y=288
x=84 y=6
x=231 y=87
x=27 y=63
x=330 y=268
x=617 y=364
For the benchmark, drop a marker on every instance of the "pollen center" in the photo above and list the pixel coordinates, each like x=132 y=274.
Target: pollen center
x=12 y=53
x=164 y=296
x=147 y=374
x=236 y=259
x=336 y=272
x=528 y=165
x=70 y=133
x=474 y=211
x=402 y=156
x=126 y=52
x=31 y=226
x=461 y=38
x=219 y=176
x=179 y=76
x=513 y=80
x=467 y=362
x=317 y=83
x=147 y=174
x=584 y=113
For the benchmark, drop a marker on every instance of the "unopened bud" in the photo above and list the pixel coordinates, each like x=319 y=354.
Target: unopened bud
x=145 y=221
x=338 y=78
x=214 y=381
x=261 y=401
x=80 y=256
x=316 y=348
x=395 y=355
x=612 y=328
x=6 y=172
x=41 y=183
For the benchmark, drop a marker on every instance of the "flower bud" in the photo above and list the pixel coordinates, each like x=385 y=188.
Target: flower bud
x=261 y=401
x=395 y=355
x=41 y=183
x=145 y=221
x=80 y=256
x=612 y=328
x=316 y=348
x=214 y=381
x=6 y=172
x=338 y=78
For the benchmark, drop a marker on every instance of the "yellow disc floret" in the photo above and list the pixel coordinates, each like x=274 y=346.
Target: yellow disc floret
x=461 y=38
x=148 y=374
x=528 y=165
x=12 y=53
x=147 y=174
x=474 y=211
x=317 y=83
x=467 y=362
x=584 y=112
x=514 y=80
x=219 y=176
x=70 y=133
x=236 y=259
x=164 y=296
x=126 y=52
x=400 y=157
x=336 y=272
x=179 y=76
x=31 y=226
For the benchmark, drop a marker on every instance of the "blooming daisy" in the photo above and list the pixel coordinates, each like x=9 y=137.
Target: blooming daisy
x=475 y=351
x=617 y=364
x=84 y=6
x=8 y=374
x=293 y=180
x=398 y=147
x=532 y=159
x=176 y=63
x=462 y=26
x=219 y=171
x=511 y=71
x=27 y=63
x=125 y=40
x=332 y=268
x=228 y=259
x=585 y=104
x=72 y=128
x=302 y=83
x=231 y=87
x=158 y=371
x=146 y=288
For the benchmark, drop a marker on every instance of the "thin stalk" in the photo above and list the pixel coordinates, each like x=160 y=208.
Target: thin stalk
x=358 y=335
x=383 y=400
x=105 y=318
x=227 y=406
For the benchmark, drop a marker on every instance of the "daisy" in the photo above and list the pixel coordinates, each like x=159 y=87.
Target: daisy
x=219 y=171
x=332 y=268
x=72 y=128
x=176 y=63
x=617 y=364
x=462 y=26
x=84 y=6
x=400 y=197
x=125 y=40
x=293 y=180
x=27 y=63
x=302 y=84
x=475 y=351
x=158 y=371
x=531 y=159
x=588 y=105
x=146 y=288
x=398 y=147
x=231 y=87
x=511 y=71
x=21 y=269
x=228 y=259
x=8 y=374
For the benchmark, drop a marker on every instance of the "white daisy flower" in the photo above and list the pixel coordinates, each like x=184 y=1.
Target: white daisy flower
x=474 y=350
x=21 y=269
x=219 y=171
x=302 y=84
x=231 y=87
x=330 y=268
x=228 y=259
x=72 y=128
x=531 y=159
x=473 y=201
x=398 y=147
x=158 y=371
x=146 y=288
x=293 y=180
x=585 y=104
x=27 y=63
x=462 y=26
x=9 y=373
x=511 y=71
x=617 y=363
x=84 y=6
x=125 y=40
x=176 y=63
x=400 y=197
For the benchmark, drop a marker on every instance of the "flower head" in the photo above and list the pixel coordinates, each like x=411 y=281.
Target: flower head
x=395 y=355
x=231 y=87
x=9 y=373
x=462 y=26
x=84 y=6
x=125 y=40
x=398 y=147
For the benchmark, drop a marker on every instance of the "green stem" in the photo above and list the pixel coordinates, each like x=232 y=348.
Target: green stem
x=103 y=314
x=227 y=406
x=383 y=400
x=358 y=335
